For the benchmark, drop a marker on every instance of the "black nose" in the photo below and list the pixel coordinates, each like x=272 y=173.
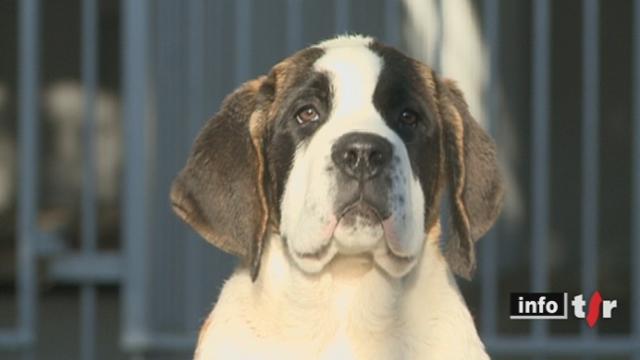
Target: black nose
x=361 y=155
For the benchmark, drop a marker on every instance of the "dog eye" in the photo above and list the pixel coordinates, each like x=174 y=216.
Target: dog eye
x=408 y=118
x=306 y=115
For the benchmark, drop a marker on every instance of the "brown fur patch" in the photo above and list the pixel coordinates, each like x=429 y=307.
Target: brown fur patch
x=257 y=129
x=474 y=181
x=204 y=195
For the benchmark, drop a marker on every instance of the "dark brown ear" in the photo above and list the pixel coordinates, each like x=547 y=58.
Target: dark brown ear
x=474 y=181
x=220 y=191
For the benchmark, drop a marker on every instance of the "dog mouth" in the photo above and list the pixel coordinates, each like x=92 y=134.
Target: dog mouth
x=360 y=227
x=358 y=213
x=361 y=210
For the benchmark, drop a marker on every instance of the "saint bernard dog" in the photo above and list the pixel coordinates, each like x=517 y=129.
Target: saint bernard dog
x=325 y=178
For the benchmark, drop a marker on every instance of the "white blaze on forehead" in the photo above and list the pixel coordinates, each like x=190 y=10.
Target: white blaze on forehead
x=354 y=70
x=346 y=40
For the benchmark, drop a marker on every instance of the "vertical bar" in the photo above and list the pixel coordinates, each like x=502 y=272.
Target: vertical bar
x=196 y=67
x=135 y=82
x=438 y=46
x=294 y=25
x=342 y=16
x=391 y=22
x=89 y=213
x=435 y=61
x=540 y=155
x=635 y=216
x=590 y=148
x=243 y=40
x=89 y=78
x=214 y=58
x=489 y=246
x=169 y=21
x=28 y=128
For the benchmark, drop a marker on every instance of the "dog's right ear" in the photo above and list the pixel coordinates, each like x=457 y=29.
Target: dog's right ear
x=221 y=191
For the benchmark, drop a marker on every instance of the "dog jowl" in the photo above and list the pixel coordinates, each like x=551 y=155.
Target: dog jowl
x=344 y=148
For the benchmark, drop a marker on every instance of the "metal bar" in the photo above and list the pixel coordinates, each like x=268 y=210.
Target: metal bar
x=196 y=67
x=28 y=128
x=540 y=156
x=89 y=78
x=214 y=58
x=635 y=206
x=10 y=339
x=85 y=268
x=88 y=320
x=562 y=346
x=438 y=46
x=89 y=210
x=294 y=25
x=243 y=40
x=436 y=60
x=341 y=16
x=590 y=149
x=391 y=22
x=164 y=342
x=135 y=80
x=489 y=245
x=170 y=24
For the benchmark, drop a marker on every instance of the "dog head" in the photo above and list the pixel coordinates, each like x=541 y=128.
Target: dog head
x=343 y=148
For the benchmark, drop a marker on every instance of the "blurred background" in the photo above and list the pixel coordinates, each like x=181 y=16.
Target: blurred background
x=100 y=101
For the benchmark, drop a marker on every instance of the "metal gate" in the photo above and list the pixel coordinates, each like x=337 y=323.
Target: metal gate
x=179 y=59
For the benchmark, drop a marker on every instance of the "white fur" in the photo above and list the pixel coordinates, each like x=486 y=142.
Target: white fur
x=346 y=41
x=307 y=220
x=352 y=310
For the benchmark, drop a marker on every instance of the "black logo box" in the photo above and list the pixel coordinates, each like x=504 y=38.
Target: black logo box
x=516 y=299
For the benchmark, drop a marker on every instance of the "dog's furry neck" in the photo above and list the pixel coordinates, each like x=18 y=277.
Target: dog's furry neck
x=350 y=310
x=350 y=296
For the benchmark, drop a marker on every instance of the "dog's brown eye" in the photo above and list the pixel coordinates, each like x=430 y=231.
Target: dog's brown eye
x=306 y=115
x=409 y=118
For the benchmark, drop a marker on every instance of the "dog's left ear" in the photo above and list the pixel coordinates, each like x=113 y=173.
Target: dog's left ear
x=474 y=181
